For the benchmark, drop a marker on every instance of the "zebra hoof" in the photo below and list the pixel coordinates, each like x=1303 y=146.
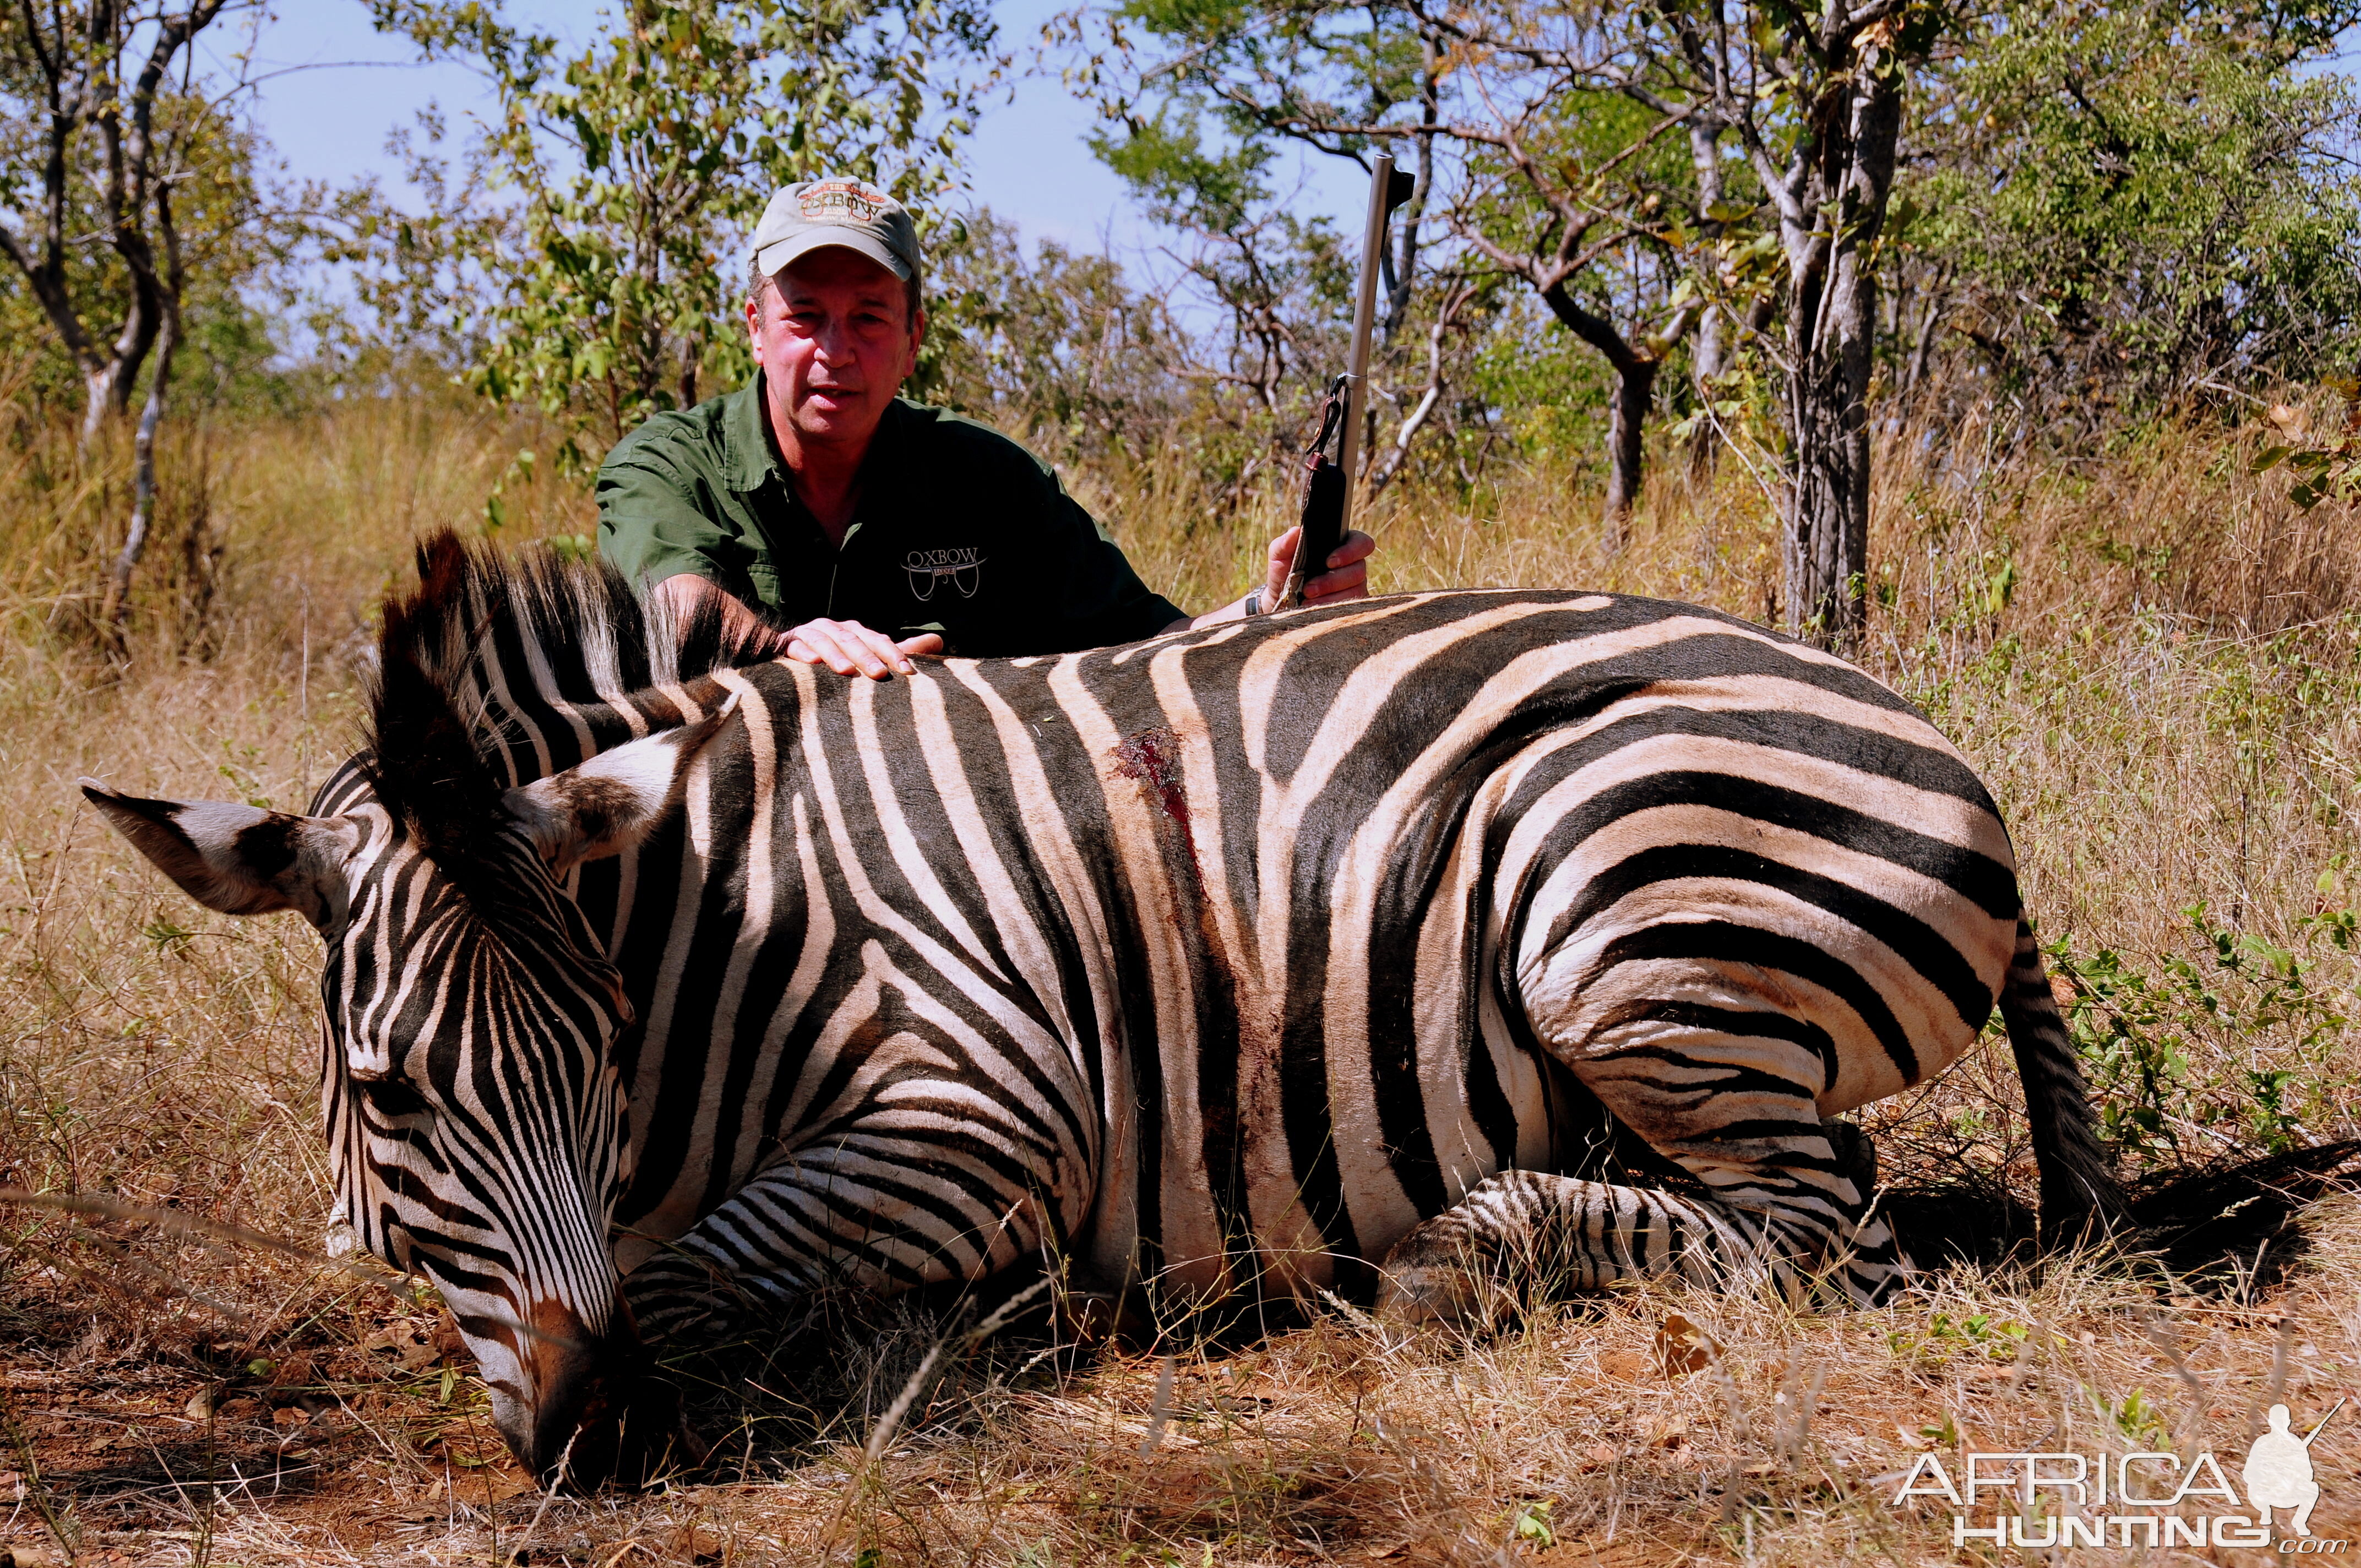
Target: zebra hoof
x=1433 y=1279
x=1101 y=1317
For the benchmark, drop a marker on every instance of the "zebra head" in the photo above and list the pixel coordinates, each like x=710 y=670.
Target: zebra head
x=473 y=1107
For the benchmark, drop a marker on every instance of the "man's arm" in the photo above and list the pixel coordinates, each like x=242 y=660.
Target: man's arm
x=1346 y=577
x=652 y=530
x=845 y=646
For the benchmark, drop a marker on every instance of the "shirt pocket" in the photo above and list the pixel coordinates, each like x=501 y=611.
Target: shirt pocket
x=765 y=583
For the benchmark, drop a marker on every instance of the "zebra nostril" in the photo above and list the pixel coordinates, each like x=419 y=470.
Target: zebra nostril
x=598 y=1412
x=563 y=1367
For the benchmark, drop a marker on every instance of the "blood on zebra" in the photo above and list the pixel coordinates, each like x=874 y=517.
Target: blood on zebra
x=1152 y=756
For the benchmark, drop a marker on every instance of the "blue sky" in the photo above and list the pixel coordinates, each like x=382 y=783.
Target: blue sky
x=1029 y=160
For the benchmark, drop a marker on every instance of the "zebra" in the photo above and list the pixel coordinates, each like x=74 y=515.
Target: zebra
x=664 y=985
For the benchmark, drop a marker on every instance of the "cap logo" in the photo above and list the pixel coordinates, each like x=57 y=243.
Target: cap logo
x=843 y=202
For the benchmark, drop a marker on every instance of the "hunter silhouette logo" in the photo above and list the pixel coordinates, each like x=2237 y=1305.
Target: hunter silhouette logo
x=929 y=567
x=2278 y=1470
x=2150 y=1498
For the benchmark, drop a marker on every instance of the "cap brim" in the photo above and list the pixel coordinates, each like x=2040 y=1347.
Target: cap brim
x=773 y=257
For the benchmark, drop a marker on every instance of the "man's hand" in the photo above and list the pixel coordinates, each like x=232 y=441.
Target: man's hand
x=845 y=646
x=1345 y=574
x=849 y=648
x=1347 y=577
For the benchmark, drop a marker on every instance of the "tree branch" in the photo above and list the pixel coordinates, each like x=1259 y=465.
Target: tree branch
x=1593 y=330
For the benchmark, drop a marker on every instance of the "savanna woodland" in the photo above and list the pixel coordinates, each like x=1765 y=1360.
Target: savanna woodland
x=2008 y=347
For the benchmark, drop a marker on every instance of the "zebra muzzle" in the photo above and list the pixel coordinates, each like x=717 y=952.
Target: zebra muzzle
x=600 y=1412
x=564 y=1365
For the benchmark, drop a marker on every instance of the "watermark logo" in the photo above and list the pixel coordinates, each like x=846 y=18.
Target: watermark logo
x=2278 y=1471
x=2148 y=1498
x=929 y=567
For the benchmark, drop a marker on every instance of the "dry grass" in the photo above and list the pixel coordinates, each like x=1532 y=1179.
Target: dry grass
x=2156 y=664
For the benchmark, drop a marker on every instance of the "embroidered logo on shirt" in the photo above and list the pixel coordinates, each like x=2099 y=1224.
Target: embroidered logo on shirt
x=929 y=567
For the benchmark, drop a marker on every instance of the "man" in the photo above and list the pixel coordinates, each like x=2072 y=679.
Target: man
x=874 y=527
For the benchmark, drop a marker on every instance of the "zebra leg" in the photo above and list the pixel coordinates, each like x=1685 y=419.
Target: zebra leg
x=1530 y=1230
x=697 y=1290
x=806 y=1225
x=1782 y=1197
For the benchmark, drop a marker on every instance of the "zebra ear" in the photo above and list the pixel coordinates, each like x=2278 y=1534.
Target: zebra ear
x=609 y=803
x=237 y=860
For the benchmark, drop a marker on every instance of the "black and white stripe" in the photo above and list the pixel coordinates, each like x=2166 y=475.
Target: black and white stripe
x=1246 y=958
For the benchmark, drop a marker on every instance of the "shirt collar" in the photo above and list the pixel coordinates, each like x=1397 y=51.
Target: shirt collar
x=753 y=463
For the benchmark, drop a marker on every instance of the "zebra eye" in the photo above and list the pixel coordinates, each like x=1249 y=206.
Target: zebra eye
x=391 y=1098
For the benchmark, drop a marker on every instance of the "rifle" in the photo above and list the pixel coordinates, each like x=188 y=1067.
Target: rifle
x=1328 y=485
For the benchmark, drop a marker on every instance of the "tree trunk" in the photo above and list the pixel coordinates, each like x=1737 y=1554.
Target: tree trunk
x=1706 y=361
x=116 y=613
x=1626 y=429
x=1705 y=354
x=106 y=384
x=1627 y=411
x=1826 y=550
x=1832 y=330
x=98 y=402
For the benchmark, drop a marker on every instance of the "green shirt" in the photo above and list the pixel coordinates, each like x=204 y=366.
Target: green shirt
x=958 y=529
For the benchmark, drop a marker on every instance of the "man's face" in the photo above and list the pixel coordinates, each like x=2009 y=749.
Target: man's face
x=835 y=339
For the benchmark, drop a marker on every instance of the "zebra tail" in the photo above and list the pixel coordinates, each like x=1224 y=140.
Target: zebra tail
x=2079 y=1197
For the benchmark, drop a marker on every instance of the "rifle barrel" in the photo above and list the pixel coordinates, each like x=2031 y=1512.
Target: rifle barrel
x=1364 y=319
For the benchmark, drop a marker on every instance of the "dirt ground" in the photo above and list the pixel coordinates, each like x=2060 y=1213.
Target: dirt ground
x=1653 y=1428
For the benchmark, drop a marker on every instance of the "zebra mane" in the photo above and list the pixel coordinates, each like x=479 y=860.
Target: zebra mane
x=494 y=669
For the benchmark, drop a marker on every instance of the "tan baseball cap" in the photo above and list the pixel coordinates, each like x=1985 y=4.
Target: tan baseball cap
x=852 y=213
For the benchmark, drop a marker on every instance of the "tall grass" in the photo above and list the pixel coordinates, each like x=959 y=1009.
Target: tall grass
x=2154 y=661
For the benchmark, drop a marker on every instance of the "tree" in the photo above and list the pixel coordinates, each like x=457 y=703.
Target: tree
x=1570 y=194
x=1058 y=349
x=1814 y=99
x=1281 y=281
x=601 y=293
x=102 y=139
x=1537 y=149
x=2127 y=206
